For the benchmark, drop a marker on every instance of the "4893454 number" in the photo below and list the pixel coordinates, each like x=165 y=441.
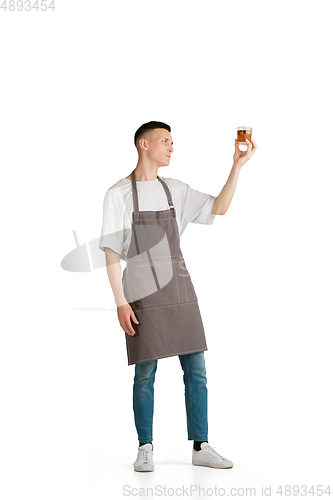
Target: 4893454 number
x=303 y=490
x=26 y=5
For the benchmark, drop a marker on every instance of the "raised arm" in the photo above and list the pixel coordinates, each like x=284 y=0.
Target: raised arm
x=223 y=200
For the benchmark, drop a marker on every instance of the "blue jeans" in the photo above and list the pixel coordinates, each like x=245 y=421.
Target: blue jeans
x=195 y=382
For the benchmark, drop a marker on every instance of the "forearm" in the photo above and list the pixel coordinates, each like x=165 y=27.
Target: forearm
x=114 y=274
x=223 y=200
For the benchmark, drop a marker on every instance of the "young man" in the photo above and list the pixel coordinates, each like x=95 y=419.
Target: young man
x=143 y=217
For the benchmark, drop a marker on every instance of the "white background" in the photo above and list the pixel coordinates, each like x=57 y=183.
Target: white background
x=76 y=83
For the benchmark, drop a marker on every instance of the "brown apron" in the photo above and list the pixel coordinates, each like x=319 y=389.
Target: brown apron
x=159 y=288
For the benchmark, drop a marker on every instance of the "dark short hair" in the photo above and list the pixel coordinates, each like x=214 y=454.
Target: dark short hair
x=147 y=127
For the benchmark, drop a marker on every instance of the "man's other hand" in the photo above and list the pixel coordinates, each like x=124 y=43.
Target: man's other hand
x=125 y=314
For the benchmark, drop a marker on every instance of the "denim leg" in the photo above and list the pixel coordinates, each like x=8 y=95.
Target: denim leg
x=196 y=391
x=143 y=399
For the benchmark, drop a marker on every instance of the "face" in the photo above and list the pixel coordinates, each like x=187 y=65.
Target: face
x=160 y=147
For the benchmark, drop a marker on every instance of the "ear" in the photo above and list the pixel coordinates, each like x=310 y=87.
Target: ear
x=143 y=143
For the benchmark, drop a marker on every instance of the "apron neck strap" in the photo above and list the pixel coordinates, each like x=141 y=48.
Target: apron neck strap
x=136 y=198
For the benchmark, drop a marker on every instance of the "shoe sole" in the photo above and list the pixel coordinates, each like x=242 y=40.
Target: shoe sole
x=212 y=466
x=145 y=470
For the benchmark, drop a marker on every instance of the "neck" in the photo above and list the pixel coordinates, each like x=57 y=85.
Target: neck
x=146 y=171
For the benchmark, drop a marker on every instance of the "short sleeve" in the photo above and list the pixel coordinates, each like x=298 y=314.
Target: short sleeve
x=112 y=234
x=196 y=207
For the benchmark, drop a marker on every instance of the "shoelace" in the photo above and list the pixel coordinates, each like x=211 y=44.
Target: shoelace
x=144 y=456
x=210 y=449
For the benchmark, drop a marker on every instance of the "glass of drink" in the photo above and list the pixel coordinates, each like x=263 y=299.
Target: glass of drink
x=244 y=133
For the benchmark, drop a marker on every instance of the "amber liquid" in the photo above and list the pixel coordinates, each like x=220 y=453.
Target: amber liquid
x=242 y=135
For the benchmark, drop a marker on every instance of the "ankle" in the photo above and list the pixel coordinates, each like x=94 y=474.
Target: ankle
x=150 y=442
x=197 y=445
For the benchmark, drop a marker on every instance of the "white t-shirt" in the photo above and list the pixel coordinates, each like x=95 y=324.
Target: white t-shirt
x=190 y=206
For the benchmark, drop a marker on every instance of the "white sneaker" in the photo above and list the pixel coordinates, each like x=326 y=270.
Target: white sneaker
x=208 y=457
x=144 y=461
